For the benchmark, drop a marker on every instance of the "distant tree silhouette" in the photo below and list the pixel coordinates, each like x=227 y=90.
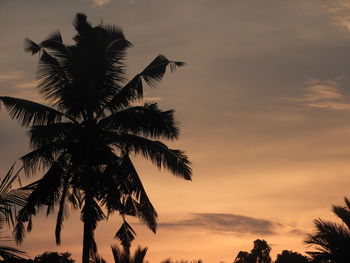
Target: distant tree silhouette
x=54 y=257
x=168 y=260
x=291 y=257
x=10 y=199
x=259 y=254
x=84 y=139
x=261 y=251
x=330 y=239
x=243 y=257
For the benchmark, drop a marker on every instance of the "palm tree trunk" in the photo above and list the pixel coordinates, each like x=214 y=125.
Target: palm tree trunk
x=86 y=242
x=88 y=235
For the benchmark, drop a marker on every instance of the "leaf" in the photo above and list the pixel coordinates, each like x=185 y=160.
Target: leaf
x=154 y=72
x=175 y=161
x=125 y=235
x=128 y=94
x=31 y=46
x=147 y=120
x=30 y=113
x=11 y=253
x=145 y=209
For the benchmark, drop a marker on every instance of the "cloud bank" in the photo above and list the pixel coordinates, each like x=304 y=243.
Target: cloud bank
x=225 y=223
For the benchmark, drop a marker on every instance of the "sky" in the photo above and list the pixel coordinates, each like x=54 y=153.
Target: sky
x=263 y=105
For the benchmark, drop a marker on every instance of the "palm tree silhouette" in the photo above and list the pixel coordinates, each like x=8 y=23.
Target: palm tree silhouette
x=9 y=199
x=332 y=240
x=85 y=137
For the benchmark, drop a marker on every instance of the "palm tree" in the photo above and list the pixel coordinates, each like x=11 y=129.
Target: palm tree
x=332 y=240
x=9 y=199
x=85 y=137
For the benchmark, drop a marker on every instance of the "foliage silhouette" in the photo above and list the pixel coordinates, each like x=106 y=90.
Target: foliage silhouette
x=84 y=138
x=10 y=199
x=47 y=257
x=259 y=254
x=123 y=256
x=168 y=260
x=330 y=239
x=54 y=257
x=291 y=257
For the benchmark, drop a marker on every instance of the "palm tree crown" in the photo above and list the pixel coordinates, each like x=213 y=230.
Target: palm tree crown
x=332 y=240
x=84 y=138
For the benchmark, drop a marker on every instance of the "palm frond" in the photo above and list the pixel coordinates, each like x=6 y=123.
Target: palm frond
x=42 y=135
x=147 y=120
x=91 y=212
x=145 y=210
x=54 y=44
x=62 y=212
x=42 y=157
x=139 y=255
x=109 y=187
x=55 y=79
x=343 y=213
x=54 y=37
x=125 y=235
x=6 y=182
x=117 y=43
x=118 y=255
x=331 y=240
x=131 y=92
x=11 y=253
x=10 y=199
x=43 y=192
x=31 y=113
x=95 y=258
x=175 y=161
x=81 y=25
x=155 y=71
x=347 y=202
x=31 y=46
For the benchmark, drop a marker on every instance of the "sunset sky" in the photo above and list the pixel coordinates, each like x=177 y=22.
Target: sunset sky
x=263 y=105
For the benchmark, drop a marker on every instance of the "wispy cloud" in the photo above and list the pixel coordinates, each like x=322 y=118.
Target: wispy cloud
x=99 y=2
x=26 y=85
x=152 y=98
x=96 y=3
x=11 y=75
x=323 y=94
x=225 y=223
x=339 y=10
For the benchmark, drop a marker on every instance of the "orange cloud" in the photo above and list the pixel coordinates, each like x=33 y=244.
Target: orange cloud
x=339 y=10
x=323 y=94
x=11 y=75
x=99 y=2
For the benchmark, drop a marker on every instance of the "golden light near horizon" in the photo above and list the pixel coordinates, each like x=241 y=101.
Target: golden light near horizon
x=262 y=104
